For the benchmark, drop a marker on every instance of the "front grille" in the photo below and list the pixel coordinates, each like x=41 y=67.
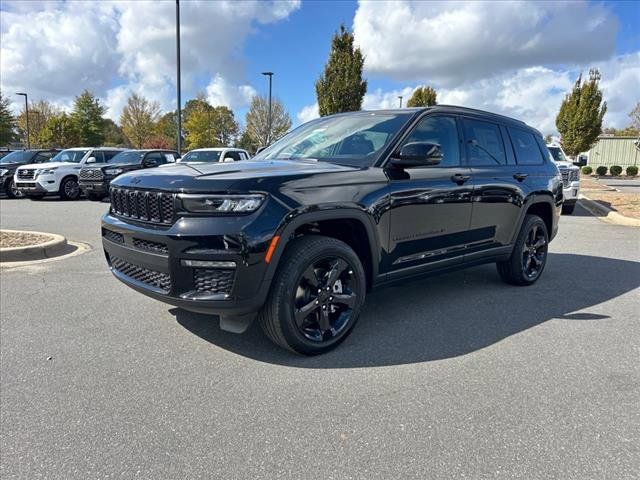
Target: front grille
x=574 y=175
x=26 y=184
x=150 y=246
x=158 y=280
x=91 y=174
x=26 y=174
x=213 y=280
x=565 y=177
x=115 y=237
x=154 y=207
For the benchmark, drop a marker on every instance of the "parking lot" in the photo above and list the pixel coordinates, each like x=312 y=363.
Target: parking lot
x=458 y=376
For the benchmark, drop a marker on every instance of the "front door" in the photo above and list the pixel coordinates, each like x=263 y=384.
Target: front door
x=430 y=205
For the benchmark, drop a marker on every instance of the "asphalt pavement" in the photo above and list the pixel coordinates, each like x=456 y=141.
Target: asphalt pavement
x=625 y=186
x=457 y=376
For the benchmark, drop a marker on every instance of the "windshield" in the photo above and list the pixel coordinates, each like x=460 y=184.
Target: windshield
x=16 y=157
x=131 y=156
x=202 y=156
x=72 y=156
x=356 y=139
x=557 y=155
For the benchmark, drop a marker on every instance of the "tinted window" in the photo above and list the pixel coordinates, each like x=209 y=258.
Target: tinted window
x=233 y=156
x=525 y=146
x=556 y=153
x=41 y=157
x=484 y=143
x=16 y=157
x=73 y=156
x=154 y=156
x=109 y=155
x=441 y=131
x=202 y=156
x=97 y=154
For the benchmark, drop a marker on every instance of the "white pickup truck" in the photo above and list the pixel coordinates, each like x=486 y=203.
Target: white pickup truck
x=570 y=177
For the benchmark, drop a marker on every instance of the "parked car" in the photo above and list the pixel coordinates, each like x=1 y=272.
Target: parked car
x=4 y=152
x=59 y=176
x=10 y=162
x=215 y=155
x=570 y=177
x=297 y=235
x=94 y=179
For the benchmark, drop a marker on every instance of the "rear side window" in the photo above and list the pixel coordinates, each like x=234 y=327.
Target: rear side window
x=159 y=159
x=97 y=154
x=526 y=147
x=109 y=155
x=233 y=155
x=485 y=146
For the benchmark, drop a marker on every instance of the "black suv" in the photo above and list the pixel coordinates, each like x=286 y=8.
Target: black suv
x=297 y=235
x=12 y=160
x=94 y=180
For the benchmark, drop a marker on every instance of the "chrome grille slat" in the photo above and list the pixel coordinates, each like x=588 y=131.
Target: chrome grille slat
x=26 y=174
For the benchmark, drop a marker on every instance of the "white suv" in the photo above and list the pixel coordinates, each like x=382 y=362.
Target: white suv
x=59 y=176
x=570 y=177
x=215 y=155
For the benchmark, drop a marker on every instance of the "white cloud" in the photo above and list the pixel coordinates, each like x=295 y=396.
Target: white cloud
x=450 y=43
x=54 y=50
x=220 y=92
x=381 y=100
x=308 y=113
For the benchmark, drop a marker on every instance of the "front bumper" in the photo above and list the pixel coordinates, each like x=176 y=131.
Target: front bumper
x=571 y=192
x=100 y=187
x=42 y=184
x=151 y=260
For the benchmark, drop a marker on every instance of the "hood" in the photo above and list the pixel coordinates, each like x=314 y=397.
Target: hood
x=565 y=165
x=49 y=165
x=244 y=175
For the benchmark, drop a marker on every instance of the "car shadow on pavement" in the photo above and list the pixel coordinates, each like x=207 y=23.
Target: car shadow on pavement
x=446 y=316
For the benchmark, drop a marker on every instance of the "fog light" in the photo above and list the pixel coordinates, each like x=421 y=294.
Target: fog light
x=208 y=264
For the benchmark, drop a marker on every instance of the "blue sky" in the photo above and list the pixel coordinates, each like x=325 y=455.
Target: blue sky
x=513 y=58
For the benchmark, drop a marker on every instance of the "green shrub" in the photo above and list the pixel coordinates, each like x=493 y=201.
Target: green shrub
x=632 y=171
x=587 y=170
x=601 y=170
x=615 y=170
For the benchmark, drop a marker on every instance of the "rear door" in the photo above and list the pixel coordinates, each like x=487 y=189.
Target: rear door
x=497 y=194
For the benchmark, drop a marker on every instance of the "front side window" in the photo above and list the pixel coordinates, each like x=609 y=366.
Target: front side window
x=108 y=155
x=71 y=156
x=441 y=131
x=19 y=156
x=525 y=146
x=97 y=154
x=202 y=156
x=484 y=143
x=356 y=139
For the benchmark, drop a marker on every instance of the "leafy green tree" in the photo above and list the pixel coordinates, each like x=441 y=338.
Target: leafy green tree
x=167 y=126
x=88 y=114
x=208 y=126
x=257 y=121
x=422 y=97
x=246 y=142
x=61 y=131
x=138 y=119
x=113 y=134
x=39 y=114
x=341 y=88
x=8 y=123
x=579 y=120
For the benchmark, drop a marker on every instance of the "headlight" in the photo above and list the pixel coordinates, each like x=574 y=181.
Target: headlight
x=45 y=171
x=221 y=203
x=113 y=171
x=3 y=172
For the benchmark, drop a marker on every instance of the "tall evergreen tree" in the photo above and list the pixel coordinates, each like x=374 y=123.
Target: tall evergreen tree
x=257 y=121
x=113 y=134
x=341 y=88
x=579 y=120
x=87 y=114
x=422 y=97
x=7 y=122
x=138 y=119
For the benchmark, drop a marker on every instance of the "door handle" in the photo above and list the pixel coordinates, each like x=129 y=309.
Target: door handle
x=520 y=176
x=459 y=178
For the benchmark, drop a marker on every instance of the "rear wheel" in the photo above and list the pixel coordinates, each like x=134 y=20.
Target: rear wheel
x=529 y=255
x=316 y=295
x=69 y=189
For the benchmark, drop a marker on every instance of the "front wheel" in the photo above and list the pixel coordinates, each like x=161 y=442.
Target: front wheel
x=69 y=189
x=316 y=295
x=529 y=255
x=12 y=191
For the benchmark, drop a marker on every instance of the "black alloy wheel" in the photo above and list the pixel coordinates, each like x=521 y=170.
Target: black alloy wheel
x=325 y=299
x=534 y=252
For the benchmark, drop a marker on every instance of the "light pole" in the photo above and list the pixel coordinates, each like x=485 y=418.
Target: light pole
x=270 y=75
x=26 y=114
x=400 y=98
x=179 y=140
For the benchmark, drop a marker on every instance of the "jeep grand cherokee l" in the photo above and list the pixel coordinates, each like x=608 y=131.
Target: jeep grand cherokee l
x=297 y=235
x=94 y=179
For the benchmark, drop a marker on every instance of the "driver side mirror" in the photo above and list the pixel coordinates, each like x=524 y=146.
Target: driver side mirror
x=91 y=160
x=417 y=154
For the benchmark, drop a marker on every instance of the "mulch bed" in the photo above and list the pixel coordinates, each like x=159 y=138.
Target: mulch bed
x=20 y=239
x=627 y=204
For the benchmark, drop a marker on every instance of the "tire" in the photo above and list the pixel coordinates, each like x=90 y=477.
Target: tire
x=527 y=261
x=307 y=268
x=568 y=209
x=69 y=189
x=11 y=191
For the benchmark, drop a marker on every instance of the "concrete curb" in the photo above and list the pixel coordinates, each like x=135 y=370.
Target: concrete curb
x=54 y=247
x=607 y=214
